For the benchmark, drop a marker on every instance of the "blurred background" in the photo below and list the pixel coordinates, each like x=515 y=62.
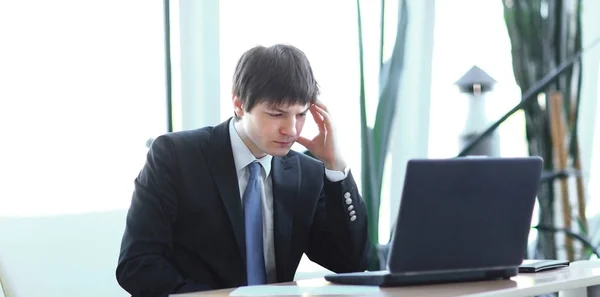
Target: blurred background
x=86 y=85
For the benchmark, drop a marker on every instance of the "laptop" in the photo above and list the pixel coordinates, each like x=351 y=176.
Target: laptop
x=460 y=219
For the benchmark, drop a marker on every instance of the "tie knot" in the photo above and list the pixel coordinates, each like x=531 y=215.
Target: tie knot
x=254 y=168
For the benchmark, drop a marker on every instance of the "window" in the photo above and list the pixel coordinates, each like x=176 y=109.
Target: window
x=593 y=207
x=83 y=89
x=467 y=33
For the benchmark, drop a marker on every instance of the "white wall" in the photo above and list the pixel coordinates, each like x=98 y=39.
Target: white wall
x=81 y=90
x=65 y=255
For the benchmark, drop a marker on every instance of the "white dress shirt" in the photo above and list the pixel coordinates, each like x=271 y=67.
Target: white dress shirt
x=242 y=157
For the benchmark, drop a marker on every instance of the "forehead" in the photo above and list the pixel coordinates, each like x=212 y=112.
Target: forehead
x=286 y=107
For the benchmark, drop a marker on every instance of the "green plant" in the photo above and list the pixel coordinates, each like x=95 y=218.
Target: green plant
x=2 y=290
x=544 y=34
x=375 y=140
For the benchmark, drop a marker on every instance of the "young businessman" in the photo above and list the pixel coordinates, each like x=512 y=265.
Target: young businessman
x=232 y=205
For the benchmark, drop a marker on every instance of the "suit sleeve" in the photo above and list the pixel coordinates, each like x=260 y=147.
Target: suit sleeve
x=339 y=235
x=144 y=269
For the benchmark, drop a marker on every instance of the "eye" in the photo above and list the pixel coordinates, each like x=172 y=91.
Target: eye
x=275 y=115
x=302 y=114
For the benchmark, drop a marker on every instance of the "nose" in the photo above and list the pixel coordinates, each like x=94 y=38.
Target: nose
x=288 y=127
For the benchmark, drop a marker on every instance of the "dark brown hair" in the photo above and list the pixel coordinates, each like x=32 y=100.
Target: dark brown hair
x=279 y=75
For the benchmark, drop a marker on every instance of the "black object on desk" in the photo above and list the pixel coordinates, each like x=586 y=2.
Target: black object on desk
x=529 y=266
x=447 y=209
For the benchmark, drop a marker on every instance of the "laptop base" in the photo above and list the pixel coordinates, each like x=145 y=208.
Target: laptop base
x=387 y=279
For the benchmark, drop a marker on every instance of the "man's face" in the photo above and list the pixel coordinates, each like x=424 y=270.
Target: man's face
x=270 y=130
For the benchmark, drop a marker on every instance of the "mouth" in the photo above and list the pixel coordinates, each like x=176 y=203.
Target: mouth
x=284 y=143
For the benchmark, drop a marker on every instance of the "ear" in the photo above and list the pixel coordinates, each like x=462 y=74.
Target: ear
x=237 y=106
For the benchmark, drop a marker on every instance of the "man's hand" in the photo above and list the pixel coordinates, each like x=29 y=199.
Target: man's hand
x=323 y=145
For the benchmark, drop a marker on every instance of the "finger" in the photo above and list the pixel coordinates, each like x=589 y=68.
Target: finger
x=320 y=104
x=324 y=115
x=304 y=141
x=315 y=113
x=318 y=118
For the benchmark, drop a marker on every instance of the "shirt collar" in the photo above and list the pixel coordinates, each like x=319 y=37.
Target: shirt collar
x=242 y=155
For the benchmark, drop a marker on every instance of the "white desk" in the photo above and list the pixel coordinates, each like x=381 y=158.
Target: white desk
x=588 y=285
x=581 y=279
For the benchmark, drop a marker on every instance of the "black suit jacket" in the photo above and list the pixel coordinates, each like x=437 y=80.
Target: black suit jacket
x=185 y=228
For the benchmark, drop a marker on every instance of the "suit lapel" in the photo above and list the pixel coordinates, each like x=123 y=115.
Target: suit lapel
x=286 y=185
x=222 y=167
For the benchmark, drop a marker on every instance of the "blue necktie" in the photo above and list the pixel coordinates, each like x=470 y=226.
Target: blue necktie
x=255 y=260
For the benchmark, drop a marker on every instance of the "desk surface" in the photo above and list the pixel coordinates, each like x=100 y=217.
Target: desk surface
x=580 y=274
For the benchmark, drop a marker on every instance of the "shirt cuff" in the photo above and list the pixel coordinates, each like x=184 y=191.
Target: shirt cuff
x=336 y=176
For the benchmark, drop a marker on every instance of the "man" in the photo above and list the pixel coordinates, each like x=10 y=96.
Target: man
x=232 y=205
